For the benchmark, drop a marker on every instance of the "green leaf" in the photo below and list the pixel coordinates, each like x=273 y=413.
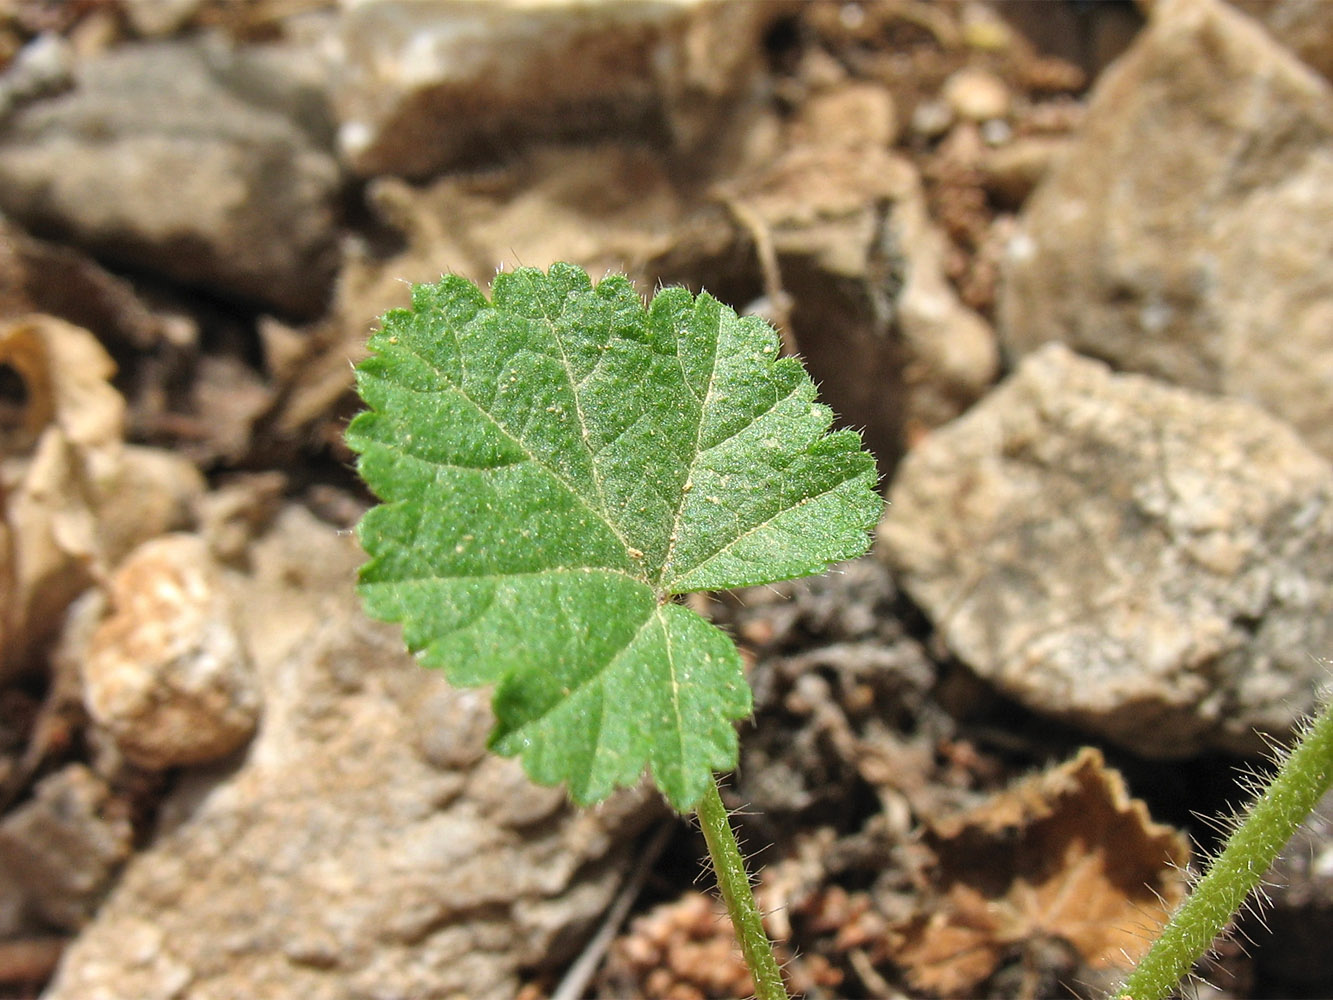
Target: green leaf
x=555 y=466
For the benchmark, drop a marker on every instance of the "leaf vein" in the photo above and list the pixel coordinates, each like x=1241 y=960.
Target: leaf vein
x=763 y=524
x=554 y=472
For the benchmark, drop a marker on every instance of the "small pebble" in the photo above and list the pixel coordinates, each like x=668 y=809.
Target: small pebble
x=167 y=674
x=976 y=95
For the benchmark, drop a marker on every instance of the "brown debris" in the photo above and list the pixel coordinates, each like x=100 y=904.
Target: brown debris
x=1066 y=855
x=75 y=498
x=686 y=950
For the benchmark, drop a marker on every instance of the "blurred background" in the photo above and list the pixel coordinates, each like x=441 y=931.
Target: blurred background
x=1064 y=263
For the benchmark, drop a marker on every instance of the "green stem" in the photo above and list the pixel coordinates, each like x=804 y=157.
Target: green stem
x=734 y=884
x=1272 y=820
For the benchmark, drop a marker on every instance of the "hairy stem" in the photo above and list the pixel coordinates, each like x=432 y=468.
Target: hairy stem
x=1270 y=822
x=734 y=884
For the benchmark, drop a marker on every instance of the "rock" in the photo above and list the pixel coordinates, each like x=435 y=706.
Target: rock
x=951 y=353
x=874 y=315
x=1186 y=232
x=251 y=212
x=931 y=118
x=431 y=84
x=976 y=94
x=1012 y=171
x=351 y=852
x=1304 y=26
x=1087 y=35
x=1147 y=562
x=859 y=262
x=167 y=674
x=61 y=848
x=849 y=116
x=238 y=510
x=160 y=18
x=44 y=66
x=606 y=207
x=154 y=491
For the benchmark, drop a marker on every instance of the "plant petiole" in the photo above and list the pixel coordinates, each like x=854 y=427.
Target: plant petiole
x=734 y=884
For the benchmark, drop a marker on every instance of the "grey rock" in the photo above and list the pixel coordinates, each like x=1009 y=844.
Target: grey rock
x=430 y=84
x=1187 y=231
x=188 y=160
x=862 y=267
x=44 y=66
x=59 y=850
x=1150 y=563
x=876 y=317
x=349 y=853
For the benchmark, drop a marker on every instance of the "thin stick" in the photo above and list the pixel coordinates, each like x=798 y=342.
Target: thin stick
x=779 y=301
x=575 y=980
x=734 y=884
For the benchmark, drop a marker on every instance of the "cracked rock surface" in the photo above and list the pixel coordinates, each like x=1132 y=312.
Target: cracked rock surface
x=1146 y=561
x=354 y=852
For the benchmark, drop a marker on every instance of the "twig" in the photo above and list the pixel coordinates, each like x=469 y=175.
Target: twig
x=780 y=302
x=576 y=978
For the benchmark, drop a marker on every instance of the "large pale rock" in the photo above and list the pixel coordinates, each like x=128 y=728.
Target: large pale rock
x=430 y=84
x=1148 y=562
x=1187 y=232
x=367 y=846
x=194 y=161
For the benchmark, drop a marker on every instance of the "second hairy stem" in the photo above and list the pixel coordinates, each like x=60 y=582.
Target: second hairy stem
x=1271 y=820
x=734 y=884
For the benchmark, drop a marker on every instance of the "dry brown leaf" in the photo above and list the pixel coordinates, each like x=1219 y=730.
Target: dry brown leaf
x=1066 y=854
x=63 y=453
x=73 y=497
